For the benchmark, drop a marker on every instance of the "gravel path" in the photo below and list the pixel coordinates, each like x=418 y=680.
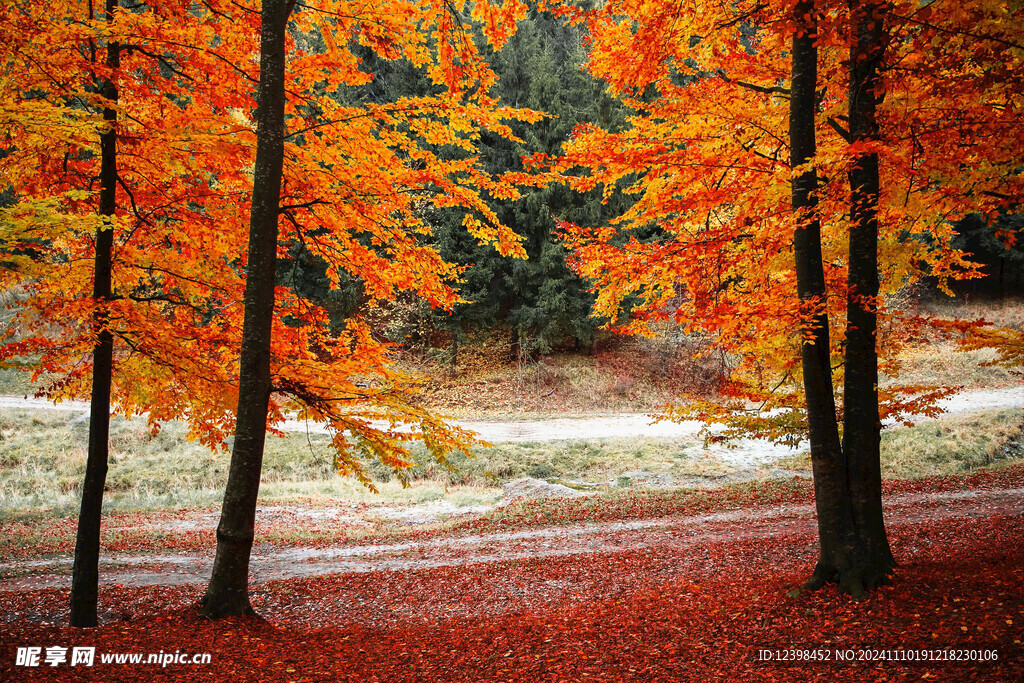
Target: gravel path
x=271 y=563
x=600 y=427
x=743 y=454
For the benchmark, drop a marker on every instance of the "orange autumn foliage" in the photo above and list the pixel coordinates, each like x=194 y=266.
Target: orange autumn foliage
x=707 y=244
x=356 y=181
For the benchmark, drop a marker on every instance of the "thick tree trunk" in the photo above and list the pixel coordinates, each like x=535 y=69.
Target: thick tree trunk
x=827 y=460
x=85 y=571
x=228 y=592
x=861 y=424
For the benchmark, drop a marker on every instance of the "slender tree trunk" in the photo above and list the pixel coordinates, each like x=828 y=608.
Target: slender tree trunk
x=228 y=591
x=861 y=424
x=516 y=348
x=828 y=462
x=85 y=571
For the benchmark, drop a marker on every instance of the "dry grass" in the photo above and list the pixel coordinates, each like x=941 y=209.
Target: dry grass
x=940 y=363
x=937 y=361
x=42 y=463
x=595 y=462
x=951 y=445
x=15 y=382
x=627 y=375
x=1007 y=313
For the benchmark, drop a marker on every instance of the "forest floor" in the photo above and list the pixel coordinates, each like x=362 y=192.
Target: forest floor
x=681 y=587
x=632 y=553
x=152 y=564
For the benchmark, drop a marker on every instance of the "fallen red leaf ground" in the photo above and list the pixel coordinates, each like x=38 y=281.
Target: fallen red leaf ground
x=688 y=613
x=133 y=531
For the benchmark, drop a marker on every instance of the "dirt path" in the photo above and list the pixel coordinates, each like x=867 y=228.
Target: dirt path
x=271 y=563
x=627 y=425
x=599 y=427
x=741 y=453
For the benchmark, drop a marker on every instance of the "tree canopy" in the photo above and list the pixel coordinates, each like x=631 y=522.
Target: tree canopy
x=706 y=149
x=206 y=203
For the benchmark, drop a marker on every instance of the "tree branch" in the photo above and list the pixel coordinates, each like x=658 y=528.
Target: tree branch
x=837 y=127
x=767 y=90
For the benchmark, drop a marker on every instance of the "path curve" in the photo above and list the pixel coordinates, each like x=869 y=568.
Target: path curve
x=271 y=563
x=622 y=425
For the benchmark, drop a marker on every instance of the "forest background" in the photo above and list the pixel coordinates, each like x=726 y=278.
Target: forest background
x=522 y=339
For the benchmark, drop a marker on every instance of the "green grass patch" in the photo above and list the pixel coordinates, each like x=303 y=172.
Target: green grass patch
x=43 y=454
x=595 y=462
x=950 y=445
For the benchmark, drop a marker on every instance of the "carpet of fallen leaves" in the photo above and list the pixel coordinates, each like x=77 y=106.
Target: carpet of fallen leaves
x=659 y=613
x=163 y=530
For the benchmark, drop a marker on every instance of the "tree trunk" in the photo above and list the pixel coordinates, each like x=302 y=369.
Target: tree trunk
x=228 y=592
x=515 y=350
x=861 y=424
x=827 y=459
x=85 y=571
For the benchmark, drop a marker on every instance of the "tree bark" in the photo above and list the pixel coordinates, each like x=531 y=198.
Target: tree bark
x=827 y=458
x=861 y=424
x=854 y=550
x=85 y=570
x=228 y=591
